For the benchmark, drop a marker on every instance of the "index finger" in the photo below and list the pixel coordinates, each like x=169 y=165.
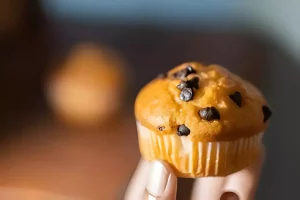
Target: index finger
x=152 y=180
x=136 y=187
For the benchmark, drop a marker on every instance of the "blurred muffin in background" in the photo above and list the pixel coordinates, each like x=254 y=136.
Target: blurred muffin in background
x=88 y=89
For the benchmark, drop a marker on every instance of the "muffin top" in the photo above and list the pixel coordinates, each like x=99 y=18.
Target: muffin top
x=204 y=103
x=93 y=66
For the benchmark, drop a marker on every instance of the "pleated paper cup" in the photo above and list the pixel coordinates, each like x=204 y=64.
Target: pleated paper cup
x=191 y=159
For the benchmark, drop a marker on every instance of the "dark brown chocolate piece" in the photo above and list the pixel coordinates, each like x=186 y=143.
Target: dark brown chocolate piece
x=209 y=113
x=236 y=98
x=191 y=70
x=182 y=130
x=193 y=83
x=186 y=94
x=182 y=85
x=161 y=128
x=267 y=112
x=184 y=73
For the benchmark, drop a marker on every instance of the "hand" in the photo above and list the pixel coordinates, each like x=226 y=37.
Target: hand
x=156 y=181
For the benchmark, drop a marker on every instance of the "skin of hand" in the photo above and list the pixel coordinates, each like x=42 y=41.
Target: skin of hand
x=156 y=181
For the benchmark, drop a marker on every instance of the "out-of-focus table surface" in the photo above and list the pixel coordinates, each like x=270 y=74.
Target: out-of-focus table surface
x=84 y=163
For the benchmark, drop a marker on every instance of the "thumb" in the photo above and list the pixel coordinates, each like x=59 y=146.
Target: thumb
x=162 y=182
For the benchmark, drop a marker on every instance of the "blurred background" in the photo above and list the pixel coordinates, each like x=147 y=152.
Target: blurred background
x=70 y=71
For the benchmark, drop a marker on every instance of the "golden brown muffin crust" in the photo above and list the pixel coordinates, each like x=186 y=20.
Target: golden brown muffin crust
x=237 y=104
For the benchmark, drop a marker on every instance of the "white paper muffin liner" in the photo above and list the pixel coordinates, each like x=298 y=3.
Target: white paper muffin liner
x=196 y=159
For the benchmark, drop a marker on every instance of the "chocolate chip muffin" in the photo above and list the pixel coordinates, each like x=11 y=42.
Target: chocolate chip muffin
x=203 y=120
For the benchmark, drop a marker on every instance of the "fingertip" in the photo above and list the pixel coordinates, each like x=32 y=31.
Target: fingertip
x=162 y=183
x=158 y=179
x=166 y=166
x=171 y=189
x=136 y=187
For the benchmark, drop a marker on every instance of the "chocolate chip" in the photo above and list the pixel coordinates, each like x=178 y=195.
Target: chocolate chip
x=162 y=75
x=236 y=98
x=161 y=128
x=267 y=113
x=194 y=82
x=182 y=130
x=191 y=70
x=184 y=73
x=182 y=85
x=209 y=113
x=186 y=94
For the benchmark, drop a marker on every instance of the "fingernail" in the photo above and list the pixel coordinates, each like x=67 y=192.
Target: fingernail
x=229 y=196
x=158 y=179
